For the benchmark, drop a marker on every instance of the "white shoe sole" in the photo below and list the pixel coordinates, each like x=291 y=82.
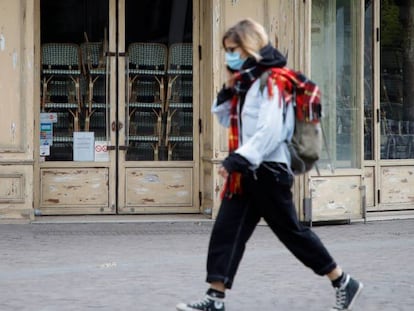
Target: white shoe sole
x=183 y=307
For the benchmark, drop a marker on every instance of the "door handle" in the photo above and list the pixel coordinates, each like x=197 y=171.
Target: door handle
x=116 y=126
x=115 y=54
x=111 y=148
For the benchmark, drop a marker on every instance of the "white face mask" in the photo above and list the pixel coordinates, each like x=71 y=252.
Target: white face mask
x=234 y=60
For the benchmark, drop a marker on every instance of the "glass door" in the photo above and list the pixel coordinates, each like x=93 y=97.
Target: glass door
x=118 y=123
x=335 y=52
x=158 y=153
x=389 y=105
x=336 y=64
x=76 y=161
x=396 y=80
x=74 y=90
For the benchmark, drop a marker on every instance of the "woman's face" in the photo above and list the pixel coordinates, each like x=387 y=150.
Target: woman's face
x=231 y=46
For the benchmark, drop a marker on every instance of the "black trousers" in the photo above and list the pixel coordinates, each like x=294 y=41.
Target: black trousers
x=266 y=194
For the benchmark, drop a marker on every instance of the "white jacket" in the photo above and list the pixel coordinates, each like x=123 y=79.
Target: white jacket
x=263 y=134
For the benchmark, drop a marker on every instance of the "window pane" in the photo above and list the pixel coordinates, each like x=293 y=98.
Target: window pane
x=397 y=78
x=334 y=55
x=368 y=84
x=159 y=106
x=74 y=79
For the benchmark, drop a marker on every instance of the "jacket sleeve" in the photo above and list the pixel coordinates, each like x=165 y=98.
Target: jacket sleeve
x=221 y=106
x=274 y=126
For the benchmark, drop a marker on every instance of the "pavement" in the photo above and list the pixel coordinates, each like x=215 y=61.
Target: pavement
x=151 y=266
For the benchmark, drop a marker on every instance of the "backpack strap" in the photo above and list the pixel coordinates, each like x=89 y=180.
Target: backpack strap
x=263 y=79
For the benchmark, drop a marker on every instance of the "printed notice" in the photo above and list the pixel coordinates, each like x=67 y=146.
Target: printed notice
x=101 y=151
x=48 y=117
x=44 y=150
x=83 y=146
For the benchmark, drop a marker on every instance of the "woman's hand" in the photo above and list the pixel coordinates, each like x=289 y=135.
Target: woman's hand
x=230 y=79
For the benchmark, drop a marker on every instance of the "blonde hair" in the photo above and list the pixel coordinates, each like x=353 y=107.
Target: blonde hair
x=249 y=35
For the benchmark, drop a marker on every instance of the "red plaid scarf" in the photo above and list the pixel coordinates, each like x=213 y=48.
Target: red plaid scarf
x=308 y=95
x=233 y=182
x=307 y=109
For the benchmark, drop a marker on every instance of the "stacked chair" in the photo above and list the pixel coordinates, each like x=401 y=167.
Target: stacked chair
x=147 y=64
x=159 y=97
x=95 y=87
x=74 y=82
x=61 y=93
x=179 y=102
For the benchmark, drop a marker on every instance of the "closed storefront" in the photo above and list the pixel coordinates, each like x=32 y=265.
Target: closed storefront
x=105 y=105
x=361 y=56
x=117 y=85
x=389 y=105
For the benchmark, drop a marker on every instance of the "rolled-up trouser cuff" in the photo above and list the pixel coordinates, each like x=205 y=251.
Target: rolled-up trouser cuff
x=325 y=270
x=219 y=278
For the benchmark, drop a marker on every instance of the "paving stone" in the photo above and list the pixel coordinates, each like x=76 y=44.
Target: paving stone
x=153 y=266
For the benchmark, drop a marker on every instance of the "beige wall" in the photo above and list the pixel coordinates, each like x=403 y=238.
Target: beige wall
x=16 y=109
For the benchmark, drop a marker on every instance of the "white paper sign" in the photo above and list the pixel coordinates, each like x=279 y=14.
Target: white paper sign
x=48 y=117
x=83 y=146
x=101 y=151
x=44 y=150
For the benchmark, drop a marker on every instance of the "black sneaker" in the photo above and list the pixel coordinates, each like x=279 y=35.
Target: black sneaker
x=209 y=303
x=347 y=293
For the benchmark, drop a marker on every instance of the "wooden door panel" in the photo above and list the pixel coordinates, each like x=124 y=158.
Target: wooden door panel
x=74 y=187
x=336 y=197
x=152 y=187
x=397 y=186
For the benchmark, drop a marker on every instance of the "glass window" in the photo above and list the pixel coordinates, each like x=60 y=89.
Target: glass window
x=397 y=78
x=159 y=103
x=368 y=83
x=74 y=79
x=334 y=67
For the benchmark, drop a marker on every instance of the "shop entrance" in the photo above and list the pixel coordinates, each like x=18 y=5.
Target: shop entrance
x=117 y=115
x=389 y=106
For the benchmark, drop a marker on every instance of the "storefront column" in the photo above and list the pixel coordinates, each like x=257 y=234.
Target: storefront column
x=17 y=79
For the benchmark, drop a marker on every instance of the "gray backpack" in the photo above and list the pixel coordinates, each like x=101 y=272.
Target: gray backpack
x=305 y=146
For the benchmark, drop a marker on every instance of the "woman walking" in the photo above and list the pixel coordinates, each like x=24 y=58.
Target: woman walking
x=257 y=172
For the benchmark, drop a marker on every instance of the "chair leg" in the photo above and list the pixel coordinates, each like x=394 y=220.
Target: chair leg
x=90 y=94
x=168 y=126
x=88 y=120
x=132 y=126
x=158 y=126
x=162 y=92
x=45 y=97
x=75 y=120
x=171 y=80
x=170 y=151
x=44 y=93
x=155 y=147
x=131 y=93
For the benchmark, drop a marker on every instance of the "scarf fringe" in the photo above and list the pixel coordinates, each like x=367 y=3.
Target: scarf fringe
x=232 y=185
